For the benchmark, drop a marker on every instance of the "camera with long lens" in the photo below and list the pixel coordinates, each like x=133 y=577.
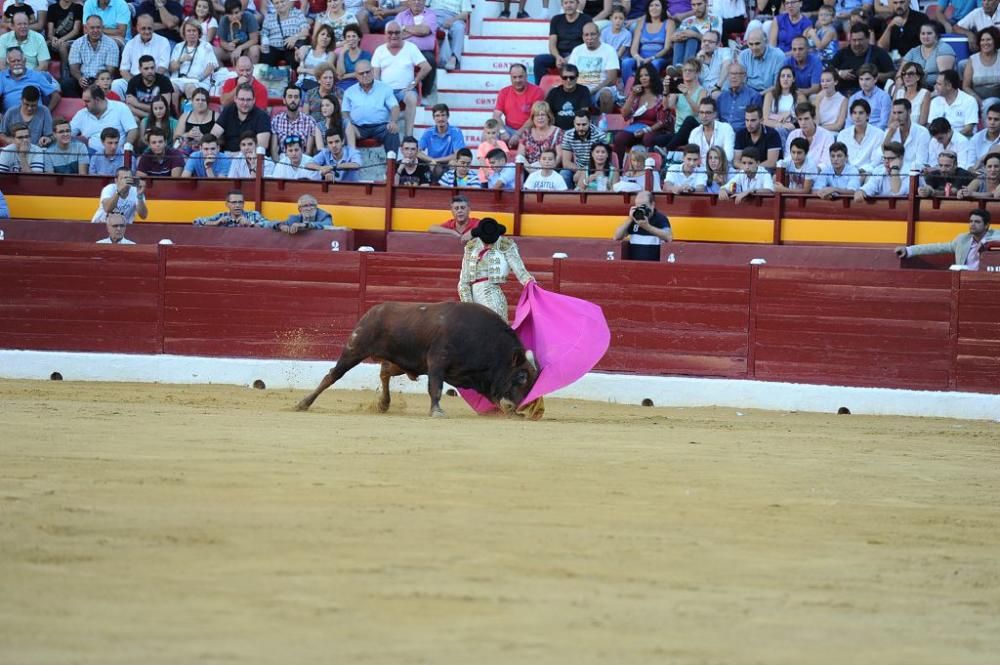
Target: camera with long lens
x=642 y=212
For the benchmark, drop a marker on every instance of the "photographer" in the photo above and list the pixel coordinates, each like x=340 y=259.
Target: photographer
x=646 y=229
x=126 y=196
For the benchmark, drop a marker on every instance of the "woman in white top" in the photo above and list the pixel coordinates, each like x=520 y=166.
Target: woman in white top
x=205 y=16
x=780 y=101
x=192 y=62
x=311 y=57
x=982 y=73
x=863 y=141
x=913 y=89
x=831 y=106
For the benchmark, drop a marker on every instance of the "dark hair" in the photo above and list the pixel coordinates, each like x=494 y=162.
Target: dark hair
x=982 y=214
x=19 y=126
x=655 y=81
x=515 y=66
x=290 y=87
x=207 y=138
x=592 y=166
x=156 y=131
x=833 y=72
x=753 y=108
x=860 y=28
x=868 y=68
x=236 y=192
x=146 y=58
x=248 y=135
x=805 y=107
x=30 y=94
x=96 y=92
x=838 y=146
x=776 y=90
x=939 y=126
x=895 y=147
x=994 y=108
x=934 y=25
x=463 y=152
x=663 y=11
x=59 y=120
x=692 y=148
x=333 y=131
x=440 y=107
x=992 y=32
x=863 y=104
x=234 y=4
x=244 y=87
x=110 y=133
x=582 y=113
x=408 y=139
x=329 y=31
x=800 y=143
x=618 y=9
x=570 y=69
x=904 y=102
x=991 y=155
x=708 y=101
x=951 y=77
x=460 y=198
x=496 y=153
x=354 y=27
x=751 y=153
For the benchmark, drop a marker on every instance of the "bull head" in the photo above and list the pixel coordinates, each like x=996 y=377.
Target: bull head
x=523 y=374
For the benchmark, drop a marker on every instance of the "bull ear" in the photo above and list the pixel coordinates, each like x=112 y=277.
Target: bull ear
x=518 y=358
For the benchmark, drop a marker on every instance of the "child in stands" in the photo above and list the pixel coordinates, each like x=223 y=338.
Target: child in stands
x=800 y=171
x=615 y=34
x=546 y=178
x=501 y=173
x=751 y=181
x=459 y=174
x=491 y=141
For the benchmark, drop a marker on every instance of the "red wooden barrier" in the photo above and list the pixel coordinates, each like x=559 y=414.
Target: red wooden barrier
x=977 y=352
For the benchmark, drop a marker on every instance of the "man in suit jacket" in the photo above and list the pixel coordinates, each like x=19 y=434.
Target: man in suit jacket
x=965 y=246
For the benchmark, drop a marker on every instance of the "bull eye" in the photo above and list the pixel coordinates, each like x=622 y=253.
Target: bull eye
x=520 y=378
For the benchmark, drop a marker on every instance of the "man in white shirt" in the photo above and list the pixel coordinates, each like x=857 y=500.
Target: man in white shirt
x=125 y=196
x=294 y=164
x=979 y=19
x=146 y=42
x=944 y=138
x=863 y=140
x=98 y=113
x=688 y=176
x=889 y=179
x=987 y=140
x=116 y=230
x=820 y=139
x=748 y=182
x=393 y=63
x=598 y=67
x=953 y=103
x=914 y=137
x=711 y=132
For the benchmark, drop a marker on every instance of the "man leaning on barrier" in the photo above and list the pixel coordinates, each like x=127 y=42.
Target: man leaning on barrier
x=234 y=215
x=310 y=217
x=966 y=247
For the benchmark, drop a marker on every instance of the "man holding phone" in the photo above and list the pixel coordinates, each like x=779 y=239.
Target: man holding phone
x=125 y=196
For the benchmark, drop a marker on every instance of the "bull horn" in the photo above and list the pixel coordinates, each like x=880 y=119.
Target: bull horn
x=530 y=355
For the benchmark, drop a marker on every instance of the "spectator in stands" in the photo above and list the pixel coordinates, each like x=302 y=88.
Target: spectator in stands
x=540 y=135
x=598 y=67
x=167 y=16
x=64 y=23
x=65 y=155
x=160 y=160
x=577 y=144
x=565 y=34
x=439 y=145
x=987 y=140
x=946 y=179
x=501 y=174
x=377 y=13
x=807 y=67
x=564 y=101
x=734 y=100
x=686 y=39
x=159 y=117
x=338 y=17
x=977 y=20
x=751 y=181
x=860 y=52
x=787 y=25
x=88 y=55
x=206 y=16
x=126 y=196
x=16 y=77
x=116 y=230
x=461 y=223
x=799 y=171
x=600 y=175
x=409 y=171
x=646 y=110
x=37 y=13
x=99 y=113
x=234 y=215
x=294 y=162
x=838 y=178
x=239 y=35
x=311 y=58
x=21 y=156
x=546 y=178
x=763 y=139
x=711 y=131
x=195 y=124
x=337 y=162
x=460 y=172
x=887 y=179
x=650 y=41
x=291 y=122
x=103 y=81
x=616 y=34
x=145 y=44
x=831 y=106
x=716 y=169
x=348 y=56
x=490 y=141
x=878 y=99
x=821 y=39
x=761 y=62
x=955 y=105
x=982 y=71
x=633 y=175
x=913 y=136
x=244 y=76
x=371 y=110
x=960 y=9
x=31 y=43
x=38 y=119
x=331 y=116
x=192 y=62
x=715 y=62
x=987 y=185
x=111 y=157
x=146 y=87
x=418 y=26
x=863 y=140
x=966 y=247
x=903 y=32
x=244 y=164
x=207 y=162
x=514 y=102
x=780 y=101
x=239 y=117
x=913 y=88
x=394 y=63
x=646 y=229
x=115 y=16
x=285 y=29
x=819 y=139
x=931 y=53
x=688 y=176
x=310 y=218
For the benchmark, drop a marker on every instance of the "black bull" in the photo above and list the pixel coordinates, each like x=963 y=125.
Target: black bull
x=465 y=344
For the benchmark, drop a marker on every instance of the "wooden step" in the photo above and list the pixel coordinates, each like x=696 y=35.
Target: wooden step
x=467 y=99
x=490 y=62
x=507 y=45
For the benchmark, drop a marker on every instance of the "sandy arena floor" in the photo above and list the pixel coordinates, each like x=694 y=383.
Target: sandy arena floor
x=212 y=524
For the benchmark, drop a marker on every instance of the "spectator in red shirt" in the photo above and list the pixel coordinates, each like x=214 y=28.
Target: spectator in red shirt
x=460 y=225
x=244 y=74
x=513 y=107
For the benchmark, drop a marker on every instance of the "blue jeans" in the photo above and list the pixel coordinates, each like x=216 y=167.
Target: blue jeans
x=628 y=68
x=389 y=140
x=685 y=50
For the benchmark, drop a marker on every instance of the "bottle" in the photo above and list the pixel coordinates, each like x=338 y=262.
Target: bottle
x=602 y=126
x=671 y=258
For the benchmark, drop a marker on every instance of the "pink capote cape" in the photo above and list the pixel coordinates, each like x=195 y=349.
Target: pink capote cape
x=568 y=336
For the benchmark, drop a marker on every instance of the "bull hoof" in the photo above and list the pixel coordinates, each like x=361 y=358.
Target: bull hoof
x=437 y=413
x=302 y=406
x=382 y=406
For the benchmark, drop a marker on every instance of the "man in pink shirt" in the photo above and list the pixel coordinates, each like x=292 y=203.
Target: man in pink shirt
x=513 y=107
x=419 y=26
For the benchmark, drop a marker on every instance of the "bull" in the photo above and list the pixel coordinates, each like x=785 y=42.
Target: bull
x=465 y=344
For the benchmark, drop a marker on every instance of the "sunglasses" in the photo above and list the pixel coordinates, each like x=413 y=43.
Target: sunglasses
x=569 y=78
x=292 y=140
x=393 y=32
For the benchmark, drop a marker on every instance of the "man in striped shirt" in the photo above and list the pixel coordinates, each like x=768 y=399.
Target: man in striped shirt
x=576 y=146
x=22 y=156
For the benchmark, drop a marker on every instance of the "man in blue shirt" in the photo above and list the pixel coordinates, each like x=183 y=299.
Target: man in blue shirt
x=439 y=144
x=337 y=162
x=807 y=66
x=962 y=8
x=115 y=15
x=877 y=98
x=17 y=77
x=737 y=96
x=207 y=162
x=761 y=61
x=370 y=107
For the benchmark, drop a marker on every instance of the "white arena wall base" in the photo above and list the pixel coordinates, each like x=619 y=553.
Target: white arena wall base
x=674 y=391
